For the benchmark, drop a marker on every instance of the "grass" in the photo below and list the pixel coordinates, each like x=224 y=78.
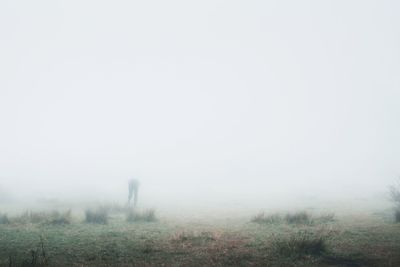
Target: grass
x=354 y=241
x=99 y=216
x=263 y=218
x=193 y=237
x=300 y=244
x=148 y=215
x=35 y=217
x=297 y=218
x=301 y=217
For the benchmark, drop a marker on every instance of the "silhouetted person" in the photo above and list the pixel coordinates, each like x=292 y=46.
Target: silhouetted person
x=133 y=191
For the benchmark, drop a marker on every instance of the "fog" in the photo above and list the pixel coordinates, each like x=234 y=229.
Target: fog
x=207 y=102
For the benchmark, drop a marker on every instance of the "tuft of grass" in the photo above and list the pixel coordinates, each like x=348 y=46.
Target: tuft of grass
x=61 y=218
x=301 y=217
x=302 y=243
x=4 y=219
x=263 y=218
x=99 y=216
x=298 y=218
x=144 y=216
x=195 y=238
x=326 y=218
x=35 y=217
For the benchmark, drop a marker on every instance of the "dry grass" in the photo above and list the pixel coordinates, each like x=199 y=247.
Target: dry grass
x=297 y=218
x=99 y=216
x=194 y=237
x=300 y=244
x=238 y=243
x=301 y=217
x=263 y=218
x=148 y=215
x=35 y=217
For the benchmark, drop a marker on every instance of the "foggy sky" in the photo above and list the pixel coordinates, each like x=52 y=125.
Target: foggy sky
x=277 y=94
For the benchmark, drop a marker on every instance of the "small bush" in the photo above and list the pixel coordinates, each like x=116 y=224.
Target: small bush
x=301 y=217
x=300 y=244
x=96 y=216
x=262 y=218
x=4 y=219
x=144 y=216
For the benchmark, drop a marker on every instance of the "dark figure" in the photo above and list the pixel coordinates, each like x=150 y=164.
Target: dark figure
x=133 y=191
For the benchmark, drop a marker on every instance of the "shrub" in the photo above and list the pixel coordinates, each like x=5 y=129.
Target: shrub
x=96 y=216
x=301 y=217
x=262 y=218
x=144 y=216
x=4 y=219
x=300 y=244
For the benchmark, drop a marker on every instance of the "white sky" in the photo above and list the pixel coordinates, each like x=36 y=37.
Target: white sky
x=275 y=93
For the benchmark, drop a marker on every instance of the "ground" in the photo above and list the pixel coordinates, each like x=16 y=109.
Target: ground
x=366 y=239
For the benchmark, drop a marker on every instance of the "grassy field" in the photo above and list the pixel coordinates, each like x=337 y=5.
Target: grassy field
x=284 y=239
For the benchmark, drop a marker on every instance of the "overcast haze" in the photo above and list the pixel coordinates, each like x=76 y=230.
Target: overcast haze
x=214 y=96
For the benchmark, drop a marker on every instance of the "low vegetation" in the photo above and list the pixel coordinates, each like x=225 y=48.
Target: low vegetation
x=300 y=244
x=301 y=217
x=99 y=216
x=237 y=243
x=263 y=218
x=35 y=217
x=148 y=215
x=194 y=237
x=296 y=218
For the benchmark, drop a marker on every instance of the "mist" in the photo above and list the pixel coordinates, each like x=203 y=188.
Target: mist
x=213 y=103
